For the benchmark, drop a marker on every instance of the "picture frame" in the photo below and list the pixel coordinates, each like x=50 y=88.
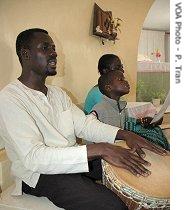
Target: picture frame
x=102 y=24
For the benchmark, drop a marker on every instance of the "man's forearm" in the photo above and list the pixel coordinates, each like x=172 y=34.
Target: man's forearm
x=122 y=134
x=98 y=150
x=95 y=150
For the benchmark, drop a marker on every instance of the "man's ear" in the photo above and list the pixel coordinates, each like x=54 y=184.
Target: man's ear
x=105 y=71
x=25 y=54
x=108 y=88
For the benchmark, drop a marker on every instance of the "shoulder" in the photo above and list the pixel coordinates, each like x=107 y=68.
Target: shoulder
x=101 y=109
x=94 y=96
x=101 y=106
x=95 y=89
x=9 y=97
x=94 y=92
x=8 y=91
x=59 y=95
x=57 y=90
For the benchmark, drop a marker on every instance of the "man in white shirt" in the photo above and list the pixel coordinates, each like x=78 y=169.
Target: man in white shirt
x=39 y=125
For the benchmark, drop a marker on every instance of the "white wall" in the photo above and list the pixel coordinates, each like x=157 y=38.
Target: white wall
x=69 y=22
x=167 y=47
x=158 y=17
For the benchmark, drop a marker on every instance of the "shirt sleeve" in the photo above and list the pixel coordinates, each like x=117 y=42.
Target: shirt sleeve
x=20 y=132
x=88 y=127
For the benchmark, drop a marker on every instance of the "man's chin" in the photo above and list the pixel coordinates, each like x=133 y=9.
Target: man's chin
x=51 y=72
x=125 y=92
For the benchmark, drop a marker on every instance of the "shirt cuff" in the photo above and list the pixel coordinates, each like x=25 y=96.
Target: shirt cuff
x=78 y=162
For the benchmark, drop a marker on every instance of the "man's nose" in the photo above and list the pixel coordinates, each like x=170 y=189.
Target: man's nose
x=53 y=54
x=125 y=80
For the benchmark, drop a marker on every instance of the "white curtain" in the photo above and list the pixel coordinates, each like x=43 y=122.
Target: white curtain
x=150 y=42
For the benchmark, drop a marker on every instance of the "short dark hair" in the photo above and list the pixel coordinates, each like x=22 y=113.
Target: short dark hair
x=105 y=63
x=105 y=79
x=24 y=38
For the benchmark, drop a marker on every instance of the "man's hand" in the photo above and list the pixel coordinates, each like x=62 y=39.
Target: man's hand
x=136 y=143
x=159 y=122
x=119 y=157
x=146 y=122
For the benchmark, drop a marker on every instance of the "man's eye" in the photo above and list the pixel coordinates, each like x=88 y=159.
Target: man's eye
x=45 y=47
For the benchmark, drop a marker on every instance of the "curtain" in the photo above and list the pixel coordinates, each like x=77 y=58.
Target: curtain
x=151 y=41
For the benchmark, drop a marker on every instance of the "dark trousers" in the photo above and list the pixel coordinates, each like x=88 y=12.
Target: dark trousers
x=77 y=191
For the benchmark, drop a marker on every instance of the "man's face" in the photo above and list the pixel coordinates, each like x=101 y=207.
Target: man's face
x=43 y=55
x=119 y=85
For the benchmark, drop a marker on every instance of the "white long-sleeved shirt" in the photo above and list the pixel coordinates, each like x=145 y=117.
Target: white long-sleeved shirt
x=40 y=132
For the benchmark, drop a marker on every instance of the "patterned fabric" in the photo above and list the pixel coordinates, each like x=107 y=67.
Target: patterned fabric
x=115 y=113
x=153 y=134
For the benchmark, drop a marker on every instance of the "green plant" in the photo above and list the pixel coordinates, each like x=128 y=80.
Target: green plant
x=146 y=92
x=161 y=94
x=141 y=91
x=140 y=86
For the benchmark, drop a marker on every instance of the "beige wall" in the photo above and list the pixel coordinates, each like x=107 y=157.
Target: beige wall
x=69 y=23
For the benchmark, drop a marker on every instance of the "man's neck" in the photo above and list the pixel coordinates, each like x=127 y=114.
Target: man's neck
x=114 y=97
x=34 y=82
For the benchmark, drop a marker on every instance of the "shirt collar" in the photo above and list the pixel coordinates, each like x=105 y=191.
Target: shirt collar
x=34 y=92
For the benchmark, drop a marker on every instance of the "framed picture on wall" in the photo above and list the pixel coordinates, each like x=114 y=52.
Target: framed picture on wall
x=102 y=23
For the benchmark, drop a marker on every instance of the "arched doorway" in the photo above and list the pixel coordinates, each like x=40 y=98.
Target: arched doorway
x=153 y=65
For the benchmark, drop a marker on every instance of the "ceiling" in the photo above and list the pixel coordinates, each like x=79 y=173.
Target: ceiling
x=158 y=17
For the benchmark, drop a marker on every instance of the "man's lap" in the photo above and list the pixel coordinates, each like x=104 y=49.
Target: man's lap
x=75 y=191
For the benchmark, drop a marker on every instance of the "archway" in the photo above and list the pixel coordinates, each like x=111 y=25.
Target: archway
x=153 y=65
